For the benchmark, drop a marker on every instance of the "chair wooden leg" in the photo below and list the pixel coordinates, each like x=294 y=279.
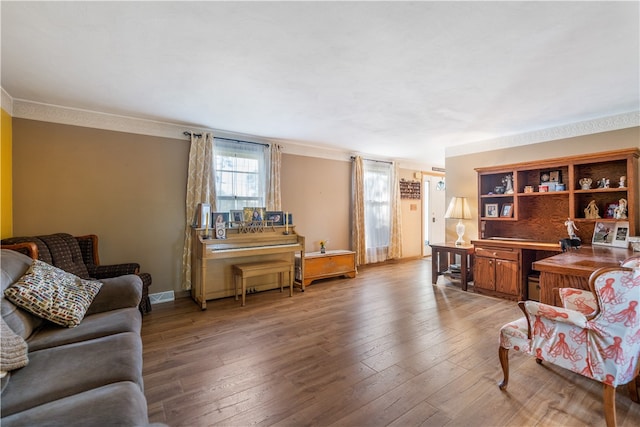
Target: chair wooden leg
x=503 y=355
x=633 y=389
x=610 y=405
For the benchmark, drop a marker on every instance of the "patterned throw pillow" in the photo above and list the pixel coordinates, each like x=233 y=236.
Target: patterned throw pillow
x=53 y=294
x=13 y=349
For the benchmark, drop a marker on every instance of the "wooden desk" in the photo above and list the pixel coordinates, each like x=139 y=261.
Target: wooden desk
x=444 y=255
x=573 y=268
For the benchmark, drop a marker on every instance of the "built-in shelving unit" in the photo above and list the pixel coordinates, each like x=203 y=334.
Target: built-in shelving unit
x=539 y=214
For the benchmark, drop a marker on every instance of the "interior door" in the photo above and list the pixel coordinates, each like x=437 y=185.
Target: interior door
x=433 y=209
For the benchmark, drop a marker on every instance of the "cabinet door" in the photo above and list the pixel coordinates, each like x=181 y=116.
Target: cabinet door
x=484 y=273
x=507 y=277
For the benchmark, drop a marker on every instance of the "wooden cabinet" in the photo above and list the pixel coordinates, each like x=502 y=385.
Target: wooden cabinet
x=541 y=196
x=497 y=272
x=547 y=193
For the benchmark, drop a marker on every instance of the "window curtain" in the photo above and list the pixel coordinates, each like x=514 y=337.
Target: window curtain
x=377 y=211
x=395 y=240
x=274 y=202
x=358 y=242
x=200 y=189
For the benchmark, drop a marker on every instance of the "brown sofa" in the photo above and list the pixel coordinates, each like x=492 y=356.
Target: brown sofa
x=88 y=375
x=77 y=255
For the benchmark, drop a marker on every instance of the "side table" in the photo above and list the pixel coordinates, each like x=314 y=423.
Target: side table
x=444 y=254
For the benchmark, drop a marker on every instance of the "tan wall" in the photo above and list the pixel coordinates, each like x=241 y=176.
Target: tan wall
x=411 y=220
x=128 y=189
x=6 y=203
x=462 y=179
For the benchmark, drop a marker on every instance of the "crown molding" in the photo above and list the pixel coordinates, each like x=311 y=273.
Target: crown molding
x=587 y=127
x=6 y=101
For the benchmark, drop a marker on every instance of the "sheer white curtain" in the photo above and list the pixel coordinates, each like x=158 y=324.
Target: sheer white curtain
x=200 y=189
x=377 y=211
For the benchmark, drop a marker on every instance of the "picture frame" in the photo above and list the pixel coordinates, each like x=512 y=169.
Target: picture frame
x=236 y=216
x=254 y=214
x=491 y=210
x=202 y=216
x=603 y=233
x=555 y=176
x=507 y=210
x=276 y=217
x=621 y=235
x=219 y=218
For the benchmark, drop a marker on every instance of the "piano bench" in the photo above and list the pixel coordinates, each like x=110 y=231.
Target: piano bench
x=242 y=272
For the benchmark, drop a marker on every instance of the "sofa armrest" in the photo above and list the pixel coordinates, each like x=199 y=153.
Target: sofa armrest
x=114 y=270
x=117 y=292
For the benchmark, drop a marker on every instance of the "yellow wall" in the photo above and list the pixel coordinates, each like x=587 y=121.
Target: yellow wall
x=6 y=203
x=462 y=178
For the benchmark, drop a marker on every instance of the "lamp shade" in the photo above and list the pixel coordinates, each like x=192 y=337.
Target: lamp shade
x=458 y=209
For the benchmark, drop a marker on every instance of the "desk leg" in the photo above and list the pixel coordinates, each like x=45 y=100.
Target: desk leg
x=463 y=271
x=434 y=266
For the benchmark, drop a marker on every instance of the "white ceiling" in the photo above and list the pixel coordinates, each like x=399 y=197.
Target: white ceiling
x=399 y=80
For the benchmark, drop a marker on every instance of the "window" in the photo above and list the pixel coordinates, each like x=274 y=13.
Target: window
x=241 y=174
x=377 y=208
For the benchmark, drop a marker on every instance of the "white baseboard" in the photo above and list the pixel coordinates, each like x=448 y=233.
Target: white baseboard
x=162 y=297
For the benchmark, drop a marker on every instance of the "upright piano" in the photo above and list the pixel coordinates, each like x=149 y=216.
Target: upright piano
x=212 y=259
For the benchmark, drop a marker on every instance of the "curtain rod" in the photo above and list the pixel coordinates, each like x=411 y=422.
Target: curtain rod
x=187 y=133
x=373 y=160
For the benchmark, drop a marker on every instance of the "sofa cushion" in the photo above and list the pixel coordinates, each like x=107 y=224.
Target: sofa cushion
x=66 y=370
x=13 y=265
x=13 y=349
x=120 y=404
x=53 y=294
x=92 y=326
x=65 y=253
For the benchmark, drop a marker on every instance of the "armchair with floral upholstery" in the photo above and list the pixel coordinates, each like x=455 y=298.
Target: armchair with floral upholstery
x=77 y=255
x=595 y=334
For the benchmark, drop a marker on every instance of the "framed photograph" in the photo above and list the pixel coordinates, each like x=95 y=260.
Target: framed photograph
x=253 y=214
x=603 y=233
x=289 y=219
x=237 y=216
x=554 y=176
x=276 y=216
x=507 y=210
x=220 y=218
x=202 y=216
x=491 y=210
x=621 y=235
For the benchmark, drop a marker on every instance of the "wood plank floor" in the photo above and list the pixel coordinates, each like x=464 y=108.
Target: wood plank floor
x=387 y=348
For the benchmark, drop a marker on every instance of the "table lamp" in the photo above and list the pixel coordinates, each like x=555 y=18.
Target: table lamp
x=458 y=209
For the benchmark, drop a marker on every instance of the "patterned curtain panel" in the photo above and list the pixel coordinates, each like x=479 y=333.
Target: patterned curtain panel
x=274 y=202
x=358 y=233
x=395 y=240
x=200 y=189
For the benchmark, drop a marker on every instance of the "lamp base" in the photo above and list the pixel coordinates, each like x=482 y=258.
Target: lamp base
x=460 y=232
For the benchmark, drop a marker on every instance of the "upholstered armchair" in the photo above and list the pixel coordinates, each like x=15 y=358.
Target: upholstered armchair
x=596 y=333
x=77 y=255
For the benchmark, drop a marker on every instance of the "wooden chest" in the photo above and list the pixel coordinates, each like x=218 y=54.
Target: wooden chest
x=330 y=264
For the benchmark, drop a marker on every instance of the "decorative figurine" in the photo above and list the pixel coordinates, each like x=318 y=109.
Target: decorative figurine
x=592 y=211
x=622 y=182
x=571 y=228
x=508 y=183
x=585 y=183
x=621 y=211
x=603 y=183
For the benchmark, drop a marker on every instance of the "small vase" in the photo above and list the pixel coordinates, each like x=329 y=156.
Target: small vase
x=322 y=250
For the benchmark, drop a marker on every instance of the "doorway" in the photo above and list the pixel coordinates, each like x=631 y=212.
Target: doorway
x=433 y=209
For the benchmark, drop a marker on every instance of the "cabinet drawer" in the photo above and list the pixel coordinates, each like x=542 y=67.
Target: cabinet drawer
x=512 y=255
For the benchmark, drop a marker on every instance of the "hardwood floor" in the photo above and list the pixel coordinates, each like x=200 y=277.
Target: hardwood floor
x=385 y=348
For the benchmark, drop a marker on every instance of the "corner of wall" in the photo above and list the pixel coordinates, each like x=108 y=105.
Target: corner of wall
x=6 y=176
